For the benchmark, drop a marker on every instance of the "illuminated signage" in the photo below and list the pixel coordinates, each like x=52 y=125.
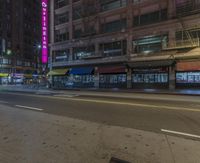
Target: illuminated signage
x=44 y=31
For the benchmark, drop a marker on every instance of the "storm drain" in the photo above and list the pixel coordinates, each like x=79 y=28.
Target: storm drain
x=116 y=160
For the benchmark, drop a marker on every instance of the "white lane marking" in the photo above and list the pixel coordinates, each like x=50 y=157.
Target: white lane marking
x=4 y=102
x=28 y=107
x=180 y=133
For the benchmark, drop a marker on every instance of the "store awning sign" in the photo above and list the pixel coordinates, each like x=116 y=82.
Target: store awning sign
x=44 y=31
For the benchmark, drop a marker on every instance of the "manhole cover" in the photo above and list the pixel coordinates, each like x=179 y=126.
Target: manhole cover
x=116 y=160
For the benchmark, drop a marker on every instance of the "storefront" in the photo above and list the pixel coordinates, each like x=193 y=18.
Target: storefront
x=4 y=78
x=112 y=77
x=59 y=77
x=150 y=75
x=188 y=74
x=82 y=77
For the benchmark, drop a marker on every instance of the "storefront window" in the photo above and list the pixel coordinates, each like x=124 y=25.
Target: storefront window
x=150 y=78
x=113 y=78
x=188 y=77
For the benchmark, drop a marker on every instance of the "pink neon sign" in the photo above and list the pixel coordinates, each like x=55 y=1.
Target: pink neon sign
x=44 y=31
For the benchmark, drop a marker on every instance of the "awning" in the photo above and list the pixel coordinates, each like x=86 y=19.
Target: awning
x=108 y=70
x=188 y=66
x=28 y=75
x=4 y=75
x=148 y=64
x=57 y=72
x=82 y=71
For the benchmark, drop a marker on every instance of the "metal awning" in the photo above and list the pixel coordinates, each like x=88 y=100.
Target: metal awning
x=114 y=69
x=82 y=71
x=148 y=64
x=57 y=72
x=4 y=75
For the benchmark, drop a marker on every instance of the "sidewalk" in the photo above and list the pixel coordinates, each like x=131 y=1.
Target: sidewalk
x=35 y=88
x=35 y=137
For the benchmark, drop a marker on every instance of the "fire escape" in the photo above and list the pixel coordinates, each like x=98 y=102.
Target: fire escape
x=186 y=8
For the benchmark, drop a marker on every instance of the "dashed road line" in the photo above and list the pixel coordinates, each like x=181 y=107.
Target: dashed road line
x=180 y=133
x=28 y=107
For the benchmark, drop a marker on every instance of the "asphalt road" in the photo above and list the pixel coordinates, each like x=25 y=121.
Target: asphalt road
x=157 y=113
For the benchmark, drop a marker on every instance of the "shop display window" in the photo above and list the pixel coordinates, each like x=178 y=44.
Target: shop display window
x=150 y=78
x=113 y=78
x=188 y=77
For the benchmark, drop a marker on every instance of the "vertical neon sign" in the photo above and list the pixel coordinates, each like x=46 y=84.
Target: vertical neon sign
x=44 y=31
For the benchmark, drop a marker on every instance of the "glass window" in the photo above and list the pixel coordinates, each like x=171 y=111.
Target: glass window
x=150 y=18
x=61 y=35
x=61 y=55
x=114 y=48
x=61 y=18
x=150 y=44
x=61 y=3
x=187 y=7
x=77 y=13
x=110 y=5
x=114 y=26
x=188 y=77
x=150 y=78
x=83 y=52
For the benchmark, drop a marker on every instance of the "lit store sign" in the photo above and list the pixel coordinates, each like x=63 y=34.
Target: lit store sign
x=44 y=31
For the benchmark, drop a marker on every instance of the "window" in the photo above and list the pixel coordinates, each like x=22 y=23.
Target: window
x=83 y=52
x=61 y=18
x=150 y=78
x=187 y=7
x=114 y=26
x=6 y=61
x=188 y=77
x=77 y=13
x=19 y=63
x=150 y=44
x=77 y=33
x=113 y=80
x=150 y=18
x=61 y=35
x=61 y=3
x=110 y=5
x=61 y=55
x=117 y=48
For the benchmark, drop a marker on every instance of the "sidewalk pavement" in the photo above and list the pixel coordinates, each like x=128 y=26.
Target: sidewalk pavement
x=35 y=137
x=35 y=88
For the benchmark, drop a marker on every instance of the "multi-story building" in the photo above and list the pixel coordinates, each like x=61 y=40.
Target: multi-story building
x=125 y=43
x=20 y=38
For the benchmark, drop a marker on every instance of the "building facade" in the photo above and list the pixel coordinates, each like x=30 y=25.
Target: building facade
x=125 y=43
x=20 y=38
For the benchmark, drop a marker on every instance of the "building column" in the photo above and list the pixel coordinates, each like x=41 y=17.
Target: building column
x=172 y=38
x=70 y=54
x=96 y=79
x=70 y=23
x=172 y=77
x=129 y=78
x=171 y=8
x=51 y=28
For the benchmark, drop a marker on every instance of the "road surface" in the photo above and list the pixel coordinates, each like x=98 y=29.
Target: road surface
x=156 y=113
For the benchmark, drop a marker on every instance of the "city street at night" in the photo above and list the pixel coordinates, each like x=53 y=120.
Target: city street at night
x=70 y=126
x=99 y=81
